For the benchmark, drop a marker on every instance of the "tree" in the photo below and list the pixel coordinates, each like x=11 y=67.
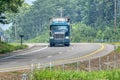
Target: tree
x=33 y=20
x=9 y=6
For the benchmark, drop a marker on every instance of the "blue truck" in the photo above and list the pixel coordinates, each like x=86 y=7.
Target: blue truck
x=59 y=31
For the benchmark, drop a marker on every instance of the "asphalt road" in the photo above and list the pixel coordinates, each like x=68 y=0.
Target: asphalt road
x=41 y=53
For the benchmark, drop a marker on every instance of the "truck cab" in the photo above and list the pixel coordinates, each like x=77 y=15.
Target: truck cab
x=59 y=31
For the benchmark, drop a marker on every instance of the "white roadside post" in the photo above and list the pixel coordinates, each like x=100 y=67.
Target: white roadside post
x=115 y=61
x=89 y=65
x=50 y=66
x=32 y=67
x=99 y=63
x=115 y=57
x=108 y=63
x=44 y=66
x=24 y=77
x=63 y=66
x=77 y=65
x=38 y=66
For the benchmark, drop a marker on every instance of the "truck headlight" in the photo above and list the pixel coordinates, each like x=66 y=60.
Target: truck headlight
x=51 y=37
x=67 y=37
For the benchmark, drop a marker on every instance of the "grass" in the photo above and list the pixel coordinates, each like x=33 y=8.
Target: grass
x=118 y=49
x=118 y=46
x=76 y=75
x=5 y=47
x=118 y=43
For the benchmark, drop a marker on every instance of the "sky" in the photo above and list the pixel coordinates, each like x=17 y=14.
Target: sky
x=6 y=26
x=29 y=1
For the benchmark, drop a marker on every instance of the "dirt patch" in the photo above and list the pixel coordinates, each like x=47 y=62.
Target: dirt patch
x=14 y=75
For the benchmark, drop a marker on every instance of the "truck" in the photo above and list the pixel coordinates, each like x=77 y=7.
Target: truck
x=59 y=31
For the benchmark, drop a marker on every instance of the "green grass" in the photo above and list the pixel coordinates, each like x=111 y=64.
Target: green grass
x=118 y=49
x=118 y=43
x=5 y=47
x=76 y=75
x=118 y=46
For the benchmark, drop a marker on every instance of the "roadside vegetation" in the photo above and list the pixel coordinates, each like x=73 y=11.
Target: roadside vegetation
x=5 y=47
x=76 y=75
x=118 y=49
x=117 y=46
x=85 y=33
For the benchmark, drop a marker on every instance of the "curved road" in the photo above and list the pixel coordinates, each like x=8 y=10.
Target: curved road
x=41 y=53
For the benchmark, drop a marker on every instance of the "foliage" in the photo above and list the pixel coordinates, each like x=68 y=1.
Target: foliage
x=118 y=49
x=5 y=47
x=76 y=75
x=9 y=6
x=96 y=16
x=44 y=37
x=83 y=33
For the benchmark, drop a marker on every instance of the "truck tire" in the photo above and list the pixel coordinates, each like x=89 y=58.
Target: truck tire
x=67 y=44
x=52 y=44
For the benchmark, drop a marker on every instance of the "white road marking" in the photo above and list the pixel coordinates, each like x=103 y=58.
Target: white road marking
x=26 y=67
x=49 y=56
x=72 y=48
x=13 y=62
x=24 y=53
x=68 y=50
x=60 y=53
x=33 y=60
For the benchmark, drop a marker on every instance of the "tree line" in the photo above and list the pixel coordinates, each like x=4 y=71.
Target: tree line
x=90 y=19
x=8 y=6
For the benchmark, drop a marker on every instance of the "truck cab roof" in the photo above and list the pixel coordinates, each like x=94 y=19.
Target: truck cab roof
x=59 y=21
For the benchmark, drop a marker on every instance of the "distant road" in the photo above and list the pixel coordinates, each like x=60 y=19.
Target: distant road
x=41 y=53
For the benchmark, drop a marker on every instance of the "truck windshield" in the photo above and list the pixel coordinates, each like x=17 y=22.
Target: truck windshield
x=59 y=28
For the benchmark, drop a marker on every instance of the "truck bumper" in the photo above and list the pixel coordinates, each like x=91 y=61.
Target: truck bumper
x=64 y=41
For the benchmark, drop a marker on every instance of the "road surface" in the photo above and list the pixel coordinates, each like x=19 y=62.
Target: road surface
x=41 y=53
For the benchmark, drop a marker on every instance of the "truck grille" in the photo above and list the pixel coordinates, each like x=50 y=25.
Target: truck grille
x=59 y=35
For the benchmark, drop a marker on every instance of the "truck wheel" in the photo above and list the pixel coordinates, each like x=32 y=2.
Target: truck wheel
x=52 y=44
x=67 y=44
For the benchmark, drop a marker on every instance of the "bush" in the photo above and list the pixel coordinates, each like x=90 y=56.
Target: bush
x=118 y=49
